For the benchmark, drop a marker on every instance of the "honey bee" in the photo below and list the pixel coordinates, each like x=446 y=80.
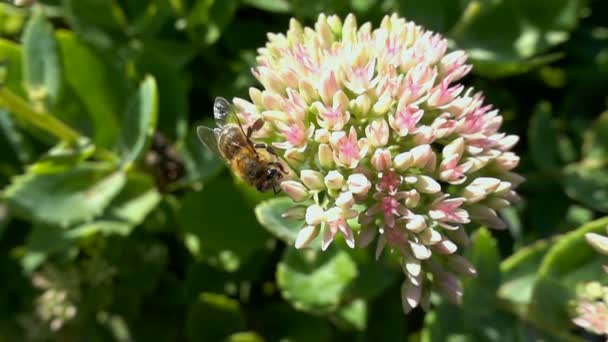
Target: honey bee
x=257 y=164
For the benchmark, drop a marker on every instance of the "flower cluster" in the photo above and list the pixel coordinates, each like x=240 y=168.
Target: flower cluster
x=592 y=308
x=385 y=142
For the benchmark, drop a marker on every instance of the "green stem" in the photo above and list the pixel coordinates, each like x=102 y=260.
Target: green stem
x=46 y=121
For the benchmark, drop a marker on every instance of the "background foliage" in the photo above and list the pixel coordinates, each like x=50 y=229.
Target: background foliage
x=119 y=225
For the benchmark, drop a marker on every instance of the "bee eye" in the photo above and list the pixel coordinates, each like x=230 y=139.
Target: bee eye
x=271 y=173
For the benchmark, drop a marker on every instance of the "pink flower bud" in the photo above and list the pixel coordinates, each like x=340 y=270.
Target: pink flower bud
x=305 y=236
x=381 y=160
x=598 y=242
x=361 y=105
x=329 y=86
x=322 y=135
x=419 y=250
x=486 y=216
x=312 y=179
x=358 y=184
x=421 y=155
x=308 y=91
x=460 y=265
x=295 y=190
x=403 y=161
x=334 y=180
x=345 y=200
x=410 y=296
x=366 y=236
x=315 y=215
x=325 y=154
x=416 y=224
x=427 y=185
x=377 y=133
x=430 y=236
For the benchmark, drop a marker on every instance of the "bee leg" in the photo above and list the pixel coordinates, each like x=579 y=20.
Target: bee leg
x=266 y=147
x=280 y=166
x=257 y=125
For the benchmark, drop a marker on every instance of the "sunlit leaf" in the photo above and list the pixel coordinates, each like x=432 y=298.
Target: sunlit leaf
x=64 y=197
x=315 y=281
x=43 y=67
x=140 y=121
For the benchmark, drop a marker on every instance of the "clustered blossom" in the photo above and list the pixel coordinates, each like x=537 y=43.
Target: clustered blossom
x=591 y=308
x=386 y=145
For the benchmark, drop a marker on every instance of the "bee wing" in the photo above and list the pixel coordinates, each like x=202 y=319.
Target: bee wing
x=208 y=137
x=223 y=112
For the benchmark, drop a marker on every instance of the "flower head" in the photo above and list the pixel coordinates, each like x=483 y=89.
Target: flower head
x=382 y=133
x=591 y=308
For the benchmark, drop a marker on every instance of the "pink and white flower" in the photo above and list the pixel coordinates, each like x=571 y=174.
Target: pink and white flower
x=380 y=131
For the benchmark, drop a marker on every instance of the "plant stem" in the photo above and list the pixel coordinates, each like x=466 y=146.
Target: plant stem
x=46 y=121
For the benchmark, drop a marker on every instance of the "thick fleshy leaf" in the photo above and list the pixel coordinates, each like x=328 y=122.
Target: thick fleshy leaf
x=485 y=257
x=509 y=33
x=43 y=68
x=519 y=272
x=315 y=281
x=270 y=215
x=277 y=6
x=94 y=83
x=569 y=262
x=208 y=213
x=595 y=147
x=588 y=185
x=65 y=196
x=543 y=139
x=208 y=18
x=11 y=55
x=139 y=121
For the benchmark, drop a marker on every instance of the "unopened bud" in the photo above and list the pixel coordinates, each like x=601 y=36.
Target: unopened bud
x=312 y=179
x=295 y=190
x=334 y=180
x=305 y=236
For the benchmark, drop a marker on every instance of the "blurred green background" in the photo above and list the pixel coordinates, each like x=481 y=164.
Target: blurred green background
x=117 y=225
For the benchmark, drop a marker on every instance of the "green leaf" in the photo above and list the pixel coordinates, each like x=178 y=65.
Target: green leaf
x=64 y=197
x=11 y=55
x=595 y=147
x=353 y=315
x=315 y=281
x=213 y=317
x=140 y=121
x=94 y=83
x=12 y=142
x=508 y=36
x=480 y=291
x=43 y=68
x=587 y=184
x=569 y=262
x=270 y=215
x=127 y=210
x=519 y=272
x=222 y=221
x=208 y=18
x=543 y=138
x=276 y=6
x=244 y=337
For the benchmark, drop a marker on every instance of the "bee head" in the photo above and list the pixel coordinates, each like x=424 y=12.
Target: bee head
x=271 y=178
